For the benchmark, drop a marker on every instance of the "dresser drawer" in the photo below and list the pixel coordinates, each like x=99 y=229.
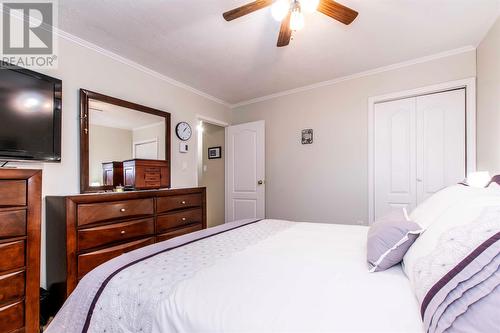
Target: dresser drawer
x=88 y=261
x=152 y=179
x=11 y=287
x=178 y=219
x=13 y=223
x=178 y=232
x=13 y=192
x=165 y=204
x=11 y=317
x=102 y=235
x=105 y=211
x=12 y=255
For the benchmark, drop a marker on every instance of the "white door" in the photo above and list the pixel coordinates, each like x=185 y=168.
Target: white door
x=419 y=148
x=245 y=175
x=440 y=141
x=146 y=149
x=395 y=155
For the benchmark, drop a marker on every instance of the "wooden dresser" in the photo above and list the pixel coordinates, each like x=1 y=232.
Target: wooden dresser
x=84 y=231
x=112 y=174
x=20 y=211
x=142 y=174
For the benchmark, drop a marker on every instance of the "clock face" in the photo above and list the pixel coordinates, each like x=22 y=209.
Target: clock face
x=183 y=131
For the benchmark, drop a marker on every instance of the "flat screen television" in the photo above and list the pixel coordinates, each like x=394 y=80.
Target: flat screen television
x=30 y=115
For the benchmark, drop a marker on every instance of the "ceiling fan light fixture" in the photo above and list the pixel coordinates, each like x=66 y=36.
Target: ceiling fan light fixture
x=290 y=14
x=280 y=9
x=309 y=6
x=297 y=20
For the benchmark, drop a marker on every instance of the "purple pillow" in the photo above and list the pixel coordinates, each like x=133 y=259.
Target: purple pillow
x=389 y=238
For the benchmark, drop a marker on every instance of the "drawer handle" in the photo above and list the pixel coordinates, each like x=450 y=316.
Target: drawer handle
x=183 y=202
x=184 y=219
x=122 y=210
x=122 y=232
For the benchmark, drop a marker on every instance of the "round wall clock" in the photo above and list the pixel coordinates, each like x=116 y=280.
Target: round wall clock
x=183 y=131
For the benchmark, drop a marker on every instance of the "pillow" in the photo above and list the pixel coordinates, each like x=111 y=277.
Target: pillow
x=389 y=238
x=455 y=262
x=494 y=187
x=439 y=203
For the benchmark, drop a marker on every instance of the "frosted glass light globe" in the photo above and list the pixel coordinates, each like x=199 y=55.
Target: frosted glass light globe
x=478 y=179
x=309 y=6
x=280 y=9
x=297 y=20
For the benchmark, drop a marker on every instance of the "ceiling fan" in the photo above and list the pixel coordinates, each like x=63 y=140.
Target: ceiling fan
x=290 y=13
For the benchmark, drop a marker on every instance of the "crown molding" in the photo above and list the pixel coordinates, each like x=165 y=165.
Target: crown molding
x=136 y=66
x=184 y=86
x=357 y=75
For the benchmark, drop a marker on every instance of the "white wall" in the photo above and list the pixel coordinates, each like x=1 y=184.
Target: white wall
x=488 y=101
x=107 y=144
x=327 y=181
x=82 y=67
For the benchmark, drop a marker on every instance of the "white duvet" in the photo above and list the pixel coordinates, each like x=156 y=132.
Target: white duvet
x=308 y=278
x=247 y=276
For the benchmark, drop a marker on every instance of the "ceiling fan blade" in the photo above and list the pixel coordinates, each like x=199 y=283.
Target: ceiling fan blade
x=285 y=32
x=246 y=9
x=337 y=11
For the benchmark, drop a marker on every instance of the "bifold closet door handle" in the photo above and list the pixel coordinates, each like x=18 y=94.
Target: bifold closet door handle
x=260 y=182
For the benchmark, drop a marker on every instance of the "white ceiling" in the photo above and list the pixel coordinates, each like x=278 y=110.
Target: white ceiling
x=189 y=41
x=110 y=115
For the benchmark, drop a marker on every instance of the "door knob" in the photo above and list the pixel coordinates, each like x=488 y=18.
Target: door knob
x=260 y=182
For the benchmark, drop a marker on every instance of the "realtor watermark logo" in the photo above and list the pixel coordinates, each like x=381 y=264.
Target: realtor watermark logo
x=28 y=36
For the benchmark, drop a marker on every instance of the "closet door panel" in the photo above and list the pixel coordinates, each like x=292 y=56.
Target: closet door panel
x=394 y=154
x=440 y=141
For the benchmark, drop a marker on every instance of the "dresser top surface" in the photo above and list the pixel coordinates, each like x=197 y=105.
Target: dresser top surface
x=131 y=194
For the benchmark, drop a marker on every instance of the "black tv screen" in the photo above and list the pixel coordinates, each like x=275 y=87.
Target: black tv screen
x=30 y=115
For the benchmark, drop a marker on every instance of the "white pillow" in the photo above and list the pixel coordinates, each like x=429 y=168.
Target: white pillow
x=458 y=230
x=434 y=207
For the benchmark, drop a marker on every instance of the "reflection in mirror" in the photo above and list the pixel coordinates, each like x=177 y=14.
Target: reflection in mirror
x=117 y=134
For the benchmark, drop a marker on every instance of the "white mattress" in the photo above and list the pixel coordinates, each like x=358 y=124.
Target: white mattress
x=309 y=277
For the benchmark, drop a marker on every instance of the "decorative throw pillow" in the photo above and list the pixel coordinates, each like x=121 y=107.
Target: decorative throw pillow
x=389 y=238
x=455 y=265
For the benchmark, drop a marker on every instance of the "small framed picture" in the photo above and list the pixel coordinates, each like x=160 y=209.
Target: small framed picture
x=307 y=136
x=214 y=152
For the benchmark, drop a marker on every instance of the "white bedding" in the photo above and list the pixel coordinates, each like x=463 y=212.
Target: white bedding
x=246 y=276
x=308 y=277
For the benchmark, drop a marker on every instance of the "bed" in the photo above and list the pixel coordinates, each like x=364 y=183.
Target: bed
x=283 y=276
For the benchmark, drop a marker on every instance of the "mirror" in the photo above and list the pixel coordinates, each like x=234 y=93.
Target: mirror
x=113 y=131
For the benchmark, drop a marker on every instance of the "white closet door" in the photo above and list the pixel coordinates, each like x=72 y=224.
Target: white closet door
x=419 y=148
x=440 y=141
x=394 y=155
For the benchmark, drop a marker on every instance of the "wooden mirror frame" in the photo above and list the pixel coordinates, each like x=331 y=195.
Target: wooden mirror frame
x=85 y=96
